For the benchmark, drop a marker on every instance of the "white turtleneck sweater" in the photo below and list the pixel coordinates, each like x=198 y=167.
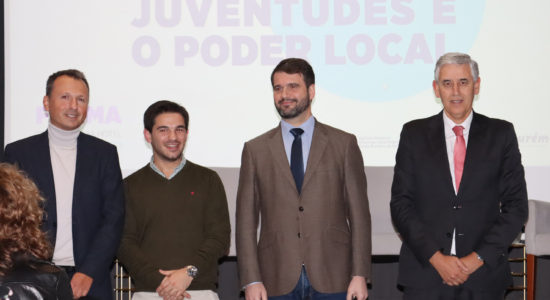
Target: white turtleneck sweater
x=63 y=157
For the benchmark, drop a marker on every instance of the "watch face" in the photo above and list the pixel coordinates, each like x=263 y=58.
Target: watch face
x=192 y=271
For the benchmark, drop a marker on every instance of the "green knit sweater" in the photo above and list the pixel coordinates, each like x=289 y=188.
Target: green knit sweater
x=174 y=223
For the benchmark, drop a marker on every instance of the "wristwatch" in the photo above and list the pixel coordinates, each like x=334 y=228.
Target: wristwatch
x=192 y=271
x=478 y=257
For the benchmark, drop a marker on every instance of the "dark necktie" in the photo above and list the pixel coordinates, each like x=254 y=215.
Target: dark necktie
x=296 y=158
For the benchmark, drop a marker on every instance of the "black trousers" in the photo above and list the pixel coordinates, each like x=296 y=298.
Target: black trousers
x=445 y=292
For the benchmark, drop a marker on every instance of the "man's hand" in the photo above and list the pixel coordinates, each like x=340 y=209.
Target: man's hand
x=357 y=288
x=451 y=269
x=80 y=284
x=471 y=262
x=175 y=284
x=255 y=291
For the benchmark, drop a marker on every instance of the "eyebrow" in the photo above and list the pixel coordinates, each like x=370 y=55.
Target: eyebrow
x=167 y=127
x=460 y=79
x=290 y=83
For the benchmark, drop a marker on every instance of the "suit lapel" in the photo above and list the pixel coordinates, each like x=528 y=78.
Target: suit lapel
x=475 y=141
x=80 y=169
x=439 y=150
x=278 y=153
x=44 y=163
x=319 y=142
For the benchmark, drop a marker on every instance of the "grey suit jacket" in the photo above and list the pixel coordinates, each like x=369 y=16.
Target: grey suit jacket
x=326 y=227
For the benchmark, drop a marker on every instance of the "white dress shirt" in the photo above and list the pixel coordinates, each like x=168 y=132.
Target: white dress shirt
x=450 y=139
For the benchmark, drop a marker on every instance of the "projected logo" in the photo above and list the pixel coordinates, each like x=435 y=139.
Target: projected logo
x=378 y=50
x=370 y=50
x=98 y=114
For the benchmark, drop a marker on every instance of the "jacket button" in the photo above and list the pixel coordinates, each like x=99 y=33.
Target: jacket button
x=301 y=208
x=448 y=234
x=299 y=235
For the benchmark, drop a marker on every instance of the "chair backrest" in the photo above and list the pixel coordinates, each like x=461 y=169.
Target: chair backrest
x=537 y=229
x=123 y=283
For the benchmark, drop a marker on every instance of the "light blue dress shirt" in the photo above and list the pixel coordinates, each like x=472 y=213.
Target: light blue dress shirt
x=308 y=127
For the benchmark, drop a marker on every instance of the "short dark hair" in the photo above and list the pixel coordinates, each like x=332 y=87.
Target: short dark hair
x=294 y=66
x=160 y=107
x=73 y=73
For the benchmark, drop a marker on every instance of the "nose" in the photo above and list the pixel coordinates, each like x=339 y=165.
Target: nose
x=284 y=92
x=172 y=135
x=73 y=103
x=456 y=88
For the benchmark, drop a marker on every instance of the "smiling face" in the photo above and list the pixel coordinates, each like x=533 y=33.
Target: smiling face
x=67 y=103
x=456 y=88
x=292 y=98
x=167 y=138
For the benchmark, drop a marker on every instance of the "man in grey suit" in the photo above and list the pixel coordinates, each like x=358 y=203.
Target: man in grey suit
x=305 y=181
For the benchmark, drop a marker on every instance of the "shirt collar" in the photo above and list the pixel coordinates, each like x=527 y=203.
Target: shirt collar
x=176 y=170
x=307 y=126
x=61 y=137
x=449 y=124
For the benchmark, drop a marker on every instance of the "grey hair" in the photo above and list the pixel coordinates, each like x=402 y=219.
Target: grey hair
x=458 y=59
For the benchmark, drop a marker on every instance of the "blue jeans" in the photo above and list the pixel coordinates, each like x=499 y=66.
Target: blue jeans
x=304 y=291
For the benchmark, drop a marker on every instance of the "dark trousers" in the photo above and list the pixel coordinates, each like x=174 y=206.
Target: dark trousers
x=304 y=291
x=445 y=292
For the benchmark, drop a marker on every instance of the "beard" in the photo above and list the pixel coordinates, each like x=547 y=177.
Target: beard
x=301 y=106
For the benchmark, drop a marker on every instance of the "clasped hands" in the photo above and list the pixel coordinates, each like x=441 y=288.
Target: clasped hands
x=453 y=270
x=174 y=285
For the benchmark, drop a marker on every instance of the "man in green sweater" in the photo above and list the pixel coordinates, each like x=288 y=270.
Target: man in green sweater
x=177 y=222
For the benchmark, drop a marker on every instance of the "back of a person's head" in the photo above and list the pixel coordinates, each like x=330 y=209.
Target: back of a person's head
x=20 y=218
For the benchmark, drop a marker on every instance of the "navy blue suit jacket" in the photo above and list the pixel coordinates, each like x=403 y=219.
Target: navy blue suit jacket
x=98 y=201
x=487 y=213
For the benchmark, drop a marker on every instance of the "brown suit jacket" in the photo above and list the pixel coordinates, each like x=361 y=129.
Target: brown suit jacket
x=327 y=228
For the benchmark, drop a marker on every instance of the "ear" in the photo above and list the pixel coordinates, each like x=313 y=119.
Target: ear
x=46 y=103
x=147 y=136
x=311 y=90
x=436 y=89
x=477 y=85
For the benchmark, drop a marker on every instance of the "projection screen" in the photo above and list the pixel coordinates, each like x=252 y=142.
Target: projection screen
x=373 y=60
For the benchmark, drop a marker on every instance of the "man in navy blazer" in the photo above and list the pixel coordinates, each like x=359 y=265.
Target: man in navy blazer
x=79 y=175
x=459 y=195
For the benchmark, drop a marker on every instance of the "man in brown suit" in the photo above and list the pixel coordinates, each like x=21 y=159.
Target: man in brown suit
x=305 y=181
